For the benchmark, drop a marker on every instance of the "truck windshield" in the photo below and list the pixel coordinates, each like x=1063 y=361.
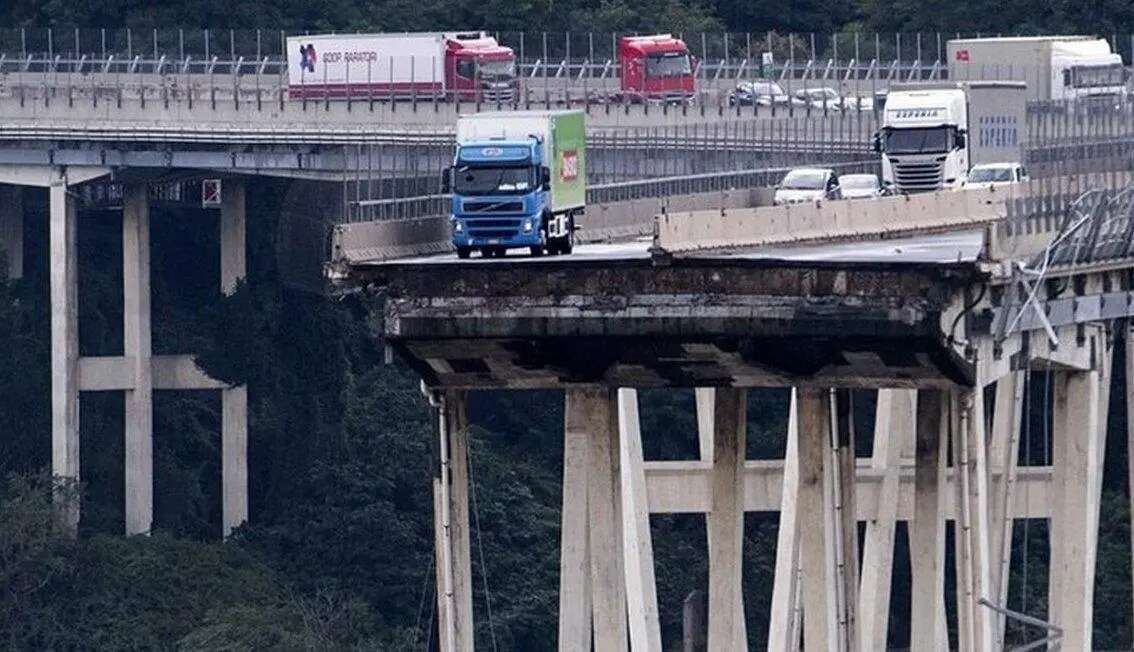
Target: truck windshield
x=990 y=175
x=671 y=64
x=469 y=180
x=919 y=140
x=1095 y=76
x=506 y=68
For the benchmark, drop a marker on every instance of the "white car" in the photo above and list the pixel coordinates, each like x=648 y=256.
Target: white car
x=819 y=98
x=996 y=174
x=860 y=186
x=803 y=185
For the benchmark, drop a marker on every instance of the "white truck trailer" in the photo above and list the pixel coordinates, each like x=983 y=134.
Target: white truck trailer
x=932 y=133
x=1054 y=67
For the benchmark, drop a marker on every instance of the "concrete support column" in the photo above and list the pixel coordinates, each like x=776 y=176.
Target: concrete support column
x=234 y=419
x=820 y=609
x=1129 y=332
x=604 y=504
x=974 y=558
x=893 y=427
x=12 y=229
x=638 y=549
x=726 y=521
x=785 y=623
x=1003 y=454
x=574 y=547
x=138 y=349
x=451 y=502
x=706 y=398
x=927 y=529
x=64 y=280
x=1077 y=440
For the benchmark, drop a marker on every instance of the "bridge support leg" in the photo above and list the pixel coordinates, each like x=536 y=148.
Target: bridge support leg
x=638 y=550
x=63 y=265
x=726 y=521
x=927 y=530
x=1129 y=331
x=785 y=623
x=842 y=509
x=574 y=557
x=451 y=523
x=604 y=501
x=137 y=346
x=12 y=229
x=234 y=419
x=973 y=545
x=706 y=398
x=893 y=426
x=1003 y=453
x=1078 y=439
x=820 y=608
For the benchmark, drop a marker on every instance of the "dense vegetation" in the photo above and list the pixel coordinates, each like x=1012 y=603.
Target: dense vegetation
x=339 y=551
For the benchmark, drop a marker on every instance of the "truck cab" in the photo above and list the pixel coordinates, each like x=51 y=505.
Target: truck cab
x=923 y=140
x=479 y=68
x=655 y=68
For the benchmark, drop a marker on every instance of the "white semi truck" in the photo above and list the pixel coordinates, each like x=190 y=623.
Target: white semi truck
x=1054 y=67
x=932 y=133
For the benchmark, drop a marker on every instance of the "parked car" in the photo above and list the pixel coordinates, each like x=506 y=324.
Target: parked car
x=860 y=186
x=996 y=174
x=803 y=185
x=761 y=92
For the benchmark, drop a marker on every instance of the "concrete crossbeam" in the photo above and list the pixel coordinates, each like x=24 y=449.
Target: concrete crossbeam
x=169 y=372
x=684 y=487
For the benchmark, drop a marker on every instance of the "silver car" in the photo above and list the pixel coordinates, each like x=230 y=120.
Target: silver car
x=803 y=185
x=860 y=186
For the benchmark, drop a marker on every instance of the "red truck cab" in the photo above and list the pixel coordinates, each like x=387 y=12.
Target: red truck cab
x=476 y=65
x=656 y=67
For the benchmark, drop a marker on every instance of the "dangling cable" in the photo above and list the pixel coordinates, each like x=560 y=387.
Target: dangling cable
x=480 y=550
x=421 y=605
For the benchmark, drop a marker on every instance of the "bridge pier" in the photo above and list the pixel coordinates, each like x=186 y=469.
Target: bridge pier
x=64 y=281
x=12 y=230
x=234 y=400
x=136 y=317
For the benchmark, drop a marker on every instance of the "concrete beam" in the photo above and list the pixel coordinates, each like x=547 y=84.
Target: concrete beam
x=638 y=549
x=45 y=176
x=726 y=520
x=169 y=372
x=64 y=281
x=604 y=502
x=574 y=534
x=137 y=340
x=927 y=527
x=12 y=230
x=785 y=622
x=684 y=488
x=820 y=610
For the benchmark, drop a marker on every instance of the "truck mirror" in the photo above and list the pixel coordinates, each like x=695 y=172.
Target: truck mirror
x=446 y=180
x=876 y=143
x=1066 y=77
x=961 y=139
x=545 y=178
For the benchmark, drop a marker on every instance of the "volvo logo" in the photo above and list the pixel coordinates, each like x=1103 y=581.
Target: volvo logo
x=491 y=151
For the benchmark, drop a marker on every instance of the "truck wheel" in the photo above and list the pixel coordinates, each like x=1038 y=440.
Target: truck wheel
x=536 y=251
x=463 y=252
x=567 y=243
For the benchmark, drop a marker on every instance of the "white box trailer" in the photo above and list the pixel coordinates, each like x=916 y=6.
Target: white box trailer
x=445 y=65
x=1054 y=67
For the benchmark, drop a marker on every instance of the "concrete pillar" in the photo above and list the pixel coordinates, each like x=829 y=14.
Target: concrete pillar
x=784 y=625
x=638 y=549
x=976 y=559
x=137 y=344
x=12 y=229
x=454 y=593
x=820 y=610
x=927 y=529
x=846 y=524
x=893 y=426
x=726 y=520
x=63 y=265
x=1129 y=331
x=604 y=504
x=1003 y=454
x=1077 y=440
x=574 y=555
x=234 y=419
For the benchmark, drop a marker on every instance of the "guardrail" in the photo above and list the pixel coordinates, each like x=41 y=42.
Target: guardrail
x=440 y=205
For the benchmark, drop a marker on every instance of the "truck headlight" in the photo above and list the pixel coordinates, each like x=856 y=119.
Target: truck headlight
x=527 y=226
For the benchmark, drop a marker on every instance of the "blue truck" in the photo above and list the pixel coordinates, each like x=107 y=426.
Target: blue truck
x=518 y=181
